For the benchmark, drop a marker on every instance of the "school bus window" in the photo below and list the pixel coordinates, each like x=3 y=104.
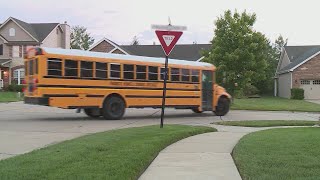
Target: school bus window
x=26 y=68
x=175 y=74
x=115 y=71
x=70 y=68
x=185 y=75
x=195 y=75
x=101 y=70
x=128 y=71
x=30 y=67
x=153 y=73
x=54 y=67
x=36 y=66
x=86 y=69
x=162 y=73
x=141 y=72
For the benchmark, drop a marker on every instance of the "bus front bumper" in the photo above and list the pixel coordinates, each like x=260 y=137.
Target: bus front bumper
x=37 y=100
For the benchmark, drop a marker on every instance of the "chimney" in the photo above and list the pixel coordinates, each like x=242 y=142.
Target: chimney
x=66 y=35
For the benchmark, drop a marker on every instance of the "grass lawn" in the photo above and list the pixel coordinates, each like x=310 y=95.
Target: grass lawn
x=10 y=97
x=288 y=153
x=117 y=154
x=275 y=104
x=267 y=123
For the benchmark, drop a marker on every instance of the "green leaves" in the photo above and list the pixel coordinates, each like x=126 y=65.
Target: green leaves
x=238 y=50
x=80 y=38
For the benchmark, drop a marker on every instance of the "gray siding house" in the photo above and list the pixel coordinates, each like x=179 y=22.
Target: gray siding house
x=17 y=36
x=299 y=67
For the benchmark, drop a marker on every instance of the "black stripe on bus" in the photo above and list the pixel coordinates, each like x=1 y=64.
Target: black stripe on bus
x=60 y=95
x=82 y=107
x=108 y=79
x=139 y=96
x=94 y=95
x=112 y=87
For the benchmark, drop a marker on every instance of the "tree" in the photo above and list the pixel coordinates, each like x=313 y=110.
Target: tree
x=80 y=38
x=238 y=51
x=274 y=52
x=135 y=41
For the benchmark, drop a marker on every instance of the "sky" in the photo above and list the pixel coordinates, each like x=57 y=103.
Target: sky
x=121 y=20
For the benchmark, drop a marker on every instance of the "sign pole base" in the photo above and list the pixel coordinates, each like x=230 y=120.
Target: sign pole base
x=164 y=90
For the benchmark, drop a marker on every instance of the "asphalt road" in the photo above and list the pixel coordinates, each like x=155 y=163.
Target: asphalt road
x=24 y=128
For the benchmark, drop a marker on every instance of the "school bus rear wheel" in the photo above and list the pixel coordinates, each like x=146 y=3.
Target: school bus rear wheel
x=113 y=108
x=92 y=112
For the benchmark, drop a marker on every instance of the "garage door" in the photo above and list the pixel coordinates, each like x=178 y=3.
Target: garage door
x=311 y=89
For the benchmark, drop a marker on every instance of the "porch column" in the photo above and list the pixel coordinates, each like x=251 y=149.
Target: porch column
x=275 y=87
x=19 y=77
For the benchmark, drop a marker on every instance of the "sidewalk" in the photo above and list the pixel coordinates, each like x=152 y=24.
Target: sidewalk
x=205 y=156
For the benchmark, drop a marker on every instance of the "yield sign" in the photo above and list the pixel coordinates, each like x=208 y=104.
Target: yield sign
x=168 y=40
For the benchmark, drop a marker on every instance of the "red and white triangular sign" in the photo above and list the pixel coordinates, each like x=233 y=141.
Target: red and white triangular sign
x=168 y=40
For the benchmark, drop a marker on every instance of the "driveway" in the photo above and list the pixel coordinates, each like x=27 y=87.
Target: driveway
x=317 y=101
x=24 y=128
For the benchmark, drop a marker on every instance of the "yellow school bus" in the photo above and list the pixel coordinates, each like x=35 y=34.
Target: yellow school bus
x=104 y=84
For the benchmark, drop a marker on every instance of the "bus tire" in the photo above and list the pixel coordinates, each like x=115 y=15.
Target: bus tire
x=223 y=106
x=113 y=108
x=92 y=112
x=196 y=110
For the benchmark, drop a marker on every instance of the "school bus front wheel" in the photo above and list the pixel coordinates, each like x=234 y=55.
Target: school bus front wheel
x=223 y=106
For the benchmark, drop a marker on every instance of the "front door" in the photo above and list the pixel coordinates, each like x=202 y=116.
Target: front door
x=207 y=91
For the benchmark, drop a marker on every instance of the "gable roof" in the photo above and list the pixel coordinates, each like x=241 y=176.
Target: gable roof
x=298 y=55
x=43 y=29
x=191 y=52
x=115 y=45
x=38 y=31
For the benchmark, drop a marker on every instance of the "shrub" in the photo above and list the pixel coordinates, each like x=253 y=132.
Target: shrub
x=239 y=94
x=297 y=93
x=250 y=90
x=15 y=88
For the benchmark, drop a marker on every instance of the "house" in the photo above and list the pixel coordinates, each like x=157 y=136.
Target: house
x=17 y=36
x=192 y=52
x=299 y=67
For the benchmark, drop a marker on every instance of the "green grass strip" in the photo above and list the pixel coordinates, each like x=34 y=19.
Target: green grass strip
x=287 y=153
x=275 y=104
x=117 y=154
x=267 y=123
x=10 y=97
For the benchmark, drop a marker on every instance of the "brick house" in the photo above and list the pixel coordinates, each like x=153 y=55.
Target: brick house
x=192 y=52
x=17 y=36
x=299 y=67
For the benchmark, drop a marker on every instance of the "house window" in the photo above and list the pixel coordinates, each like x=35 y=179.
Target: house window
x=317 y=82
x=18 y=76
x=15 y=51
x=1 y=49
x=305 y=82
x=12 y=32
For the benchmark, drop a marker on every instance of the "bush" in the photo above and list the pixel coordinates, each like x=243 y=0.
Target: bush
x=297 y=93
x=250 y=90
x=239 y=94
x=15 y=88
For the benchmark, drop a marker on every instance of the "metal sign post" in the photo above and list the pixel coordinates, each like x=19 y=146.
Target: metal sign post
x=168 y=39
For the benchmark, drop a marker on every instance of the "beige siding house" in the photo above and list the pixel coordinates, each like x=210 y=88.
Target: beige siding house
x=299 y=67
x=17 y=36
